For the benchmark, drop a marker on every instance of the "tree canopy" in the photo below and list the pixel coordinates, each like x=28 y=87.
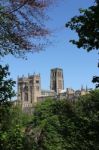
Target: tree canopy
x=86 y=25
x=63 y=125
x=21 y=24
x=6 y=85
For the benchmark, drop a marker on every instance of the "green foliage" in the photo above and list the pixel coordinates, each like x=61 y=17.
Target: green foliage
x=50 y=123
x=11 y=139
x=62 y=125
x=55 y=124
x=6 y=85
x=86 y=25
x=12 y=126
x=88 y=112
x=6 y=93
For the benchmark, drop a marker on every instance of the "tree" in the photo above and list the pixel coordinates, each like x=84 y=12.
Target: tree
x=11 y=139
x=6 y=85
x=52 y=126
x=21 y=24
x=6 y=94
x=87 y=108
x=86 y=26
x=10 y=132
x=64 y=125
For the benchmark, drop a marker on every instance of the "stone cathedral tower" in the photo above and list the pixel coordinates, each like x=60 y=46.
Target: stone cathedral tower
x=56 y=80
x=29 y=88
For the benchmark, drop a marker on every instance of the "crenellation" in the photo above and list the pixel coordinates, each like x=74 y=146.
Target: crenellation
x=29 y=88
x=30 y=92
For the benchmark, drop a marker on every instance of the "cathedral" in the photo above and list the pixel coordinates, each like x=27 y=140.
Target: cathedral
x=30 y=92
x=29 y=88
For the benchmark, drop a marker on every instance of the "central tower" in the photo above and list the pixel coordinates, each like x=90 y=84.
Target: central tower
x=56 y=80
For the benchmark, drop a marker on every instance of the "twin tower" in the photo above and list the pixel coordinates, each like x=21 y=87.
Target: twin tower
x=29 y=88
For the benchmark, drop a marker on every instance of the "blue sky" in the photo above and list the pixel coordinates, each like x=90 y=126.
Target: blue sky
x=78 y=65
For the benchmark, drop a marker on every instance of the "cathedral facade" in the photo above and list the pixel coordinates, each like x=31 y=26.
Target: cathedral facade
x=29 y=88
x=30 y=92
